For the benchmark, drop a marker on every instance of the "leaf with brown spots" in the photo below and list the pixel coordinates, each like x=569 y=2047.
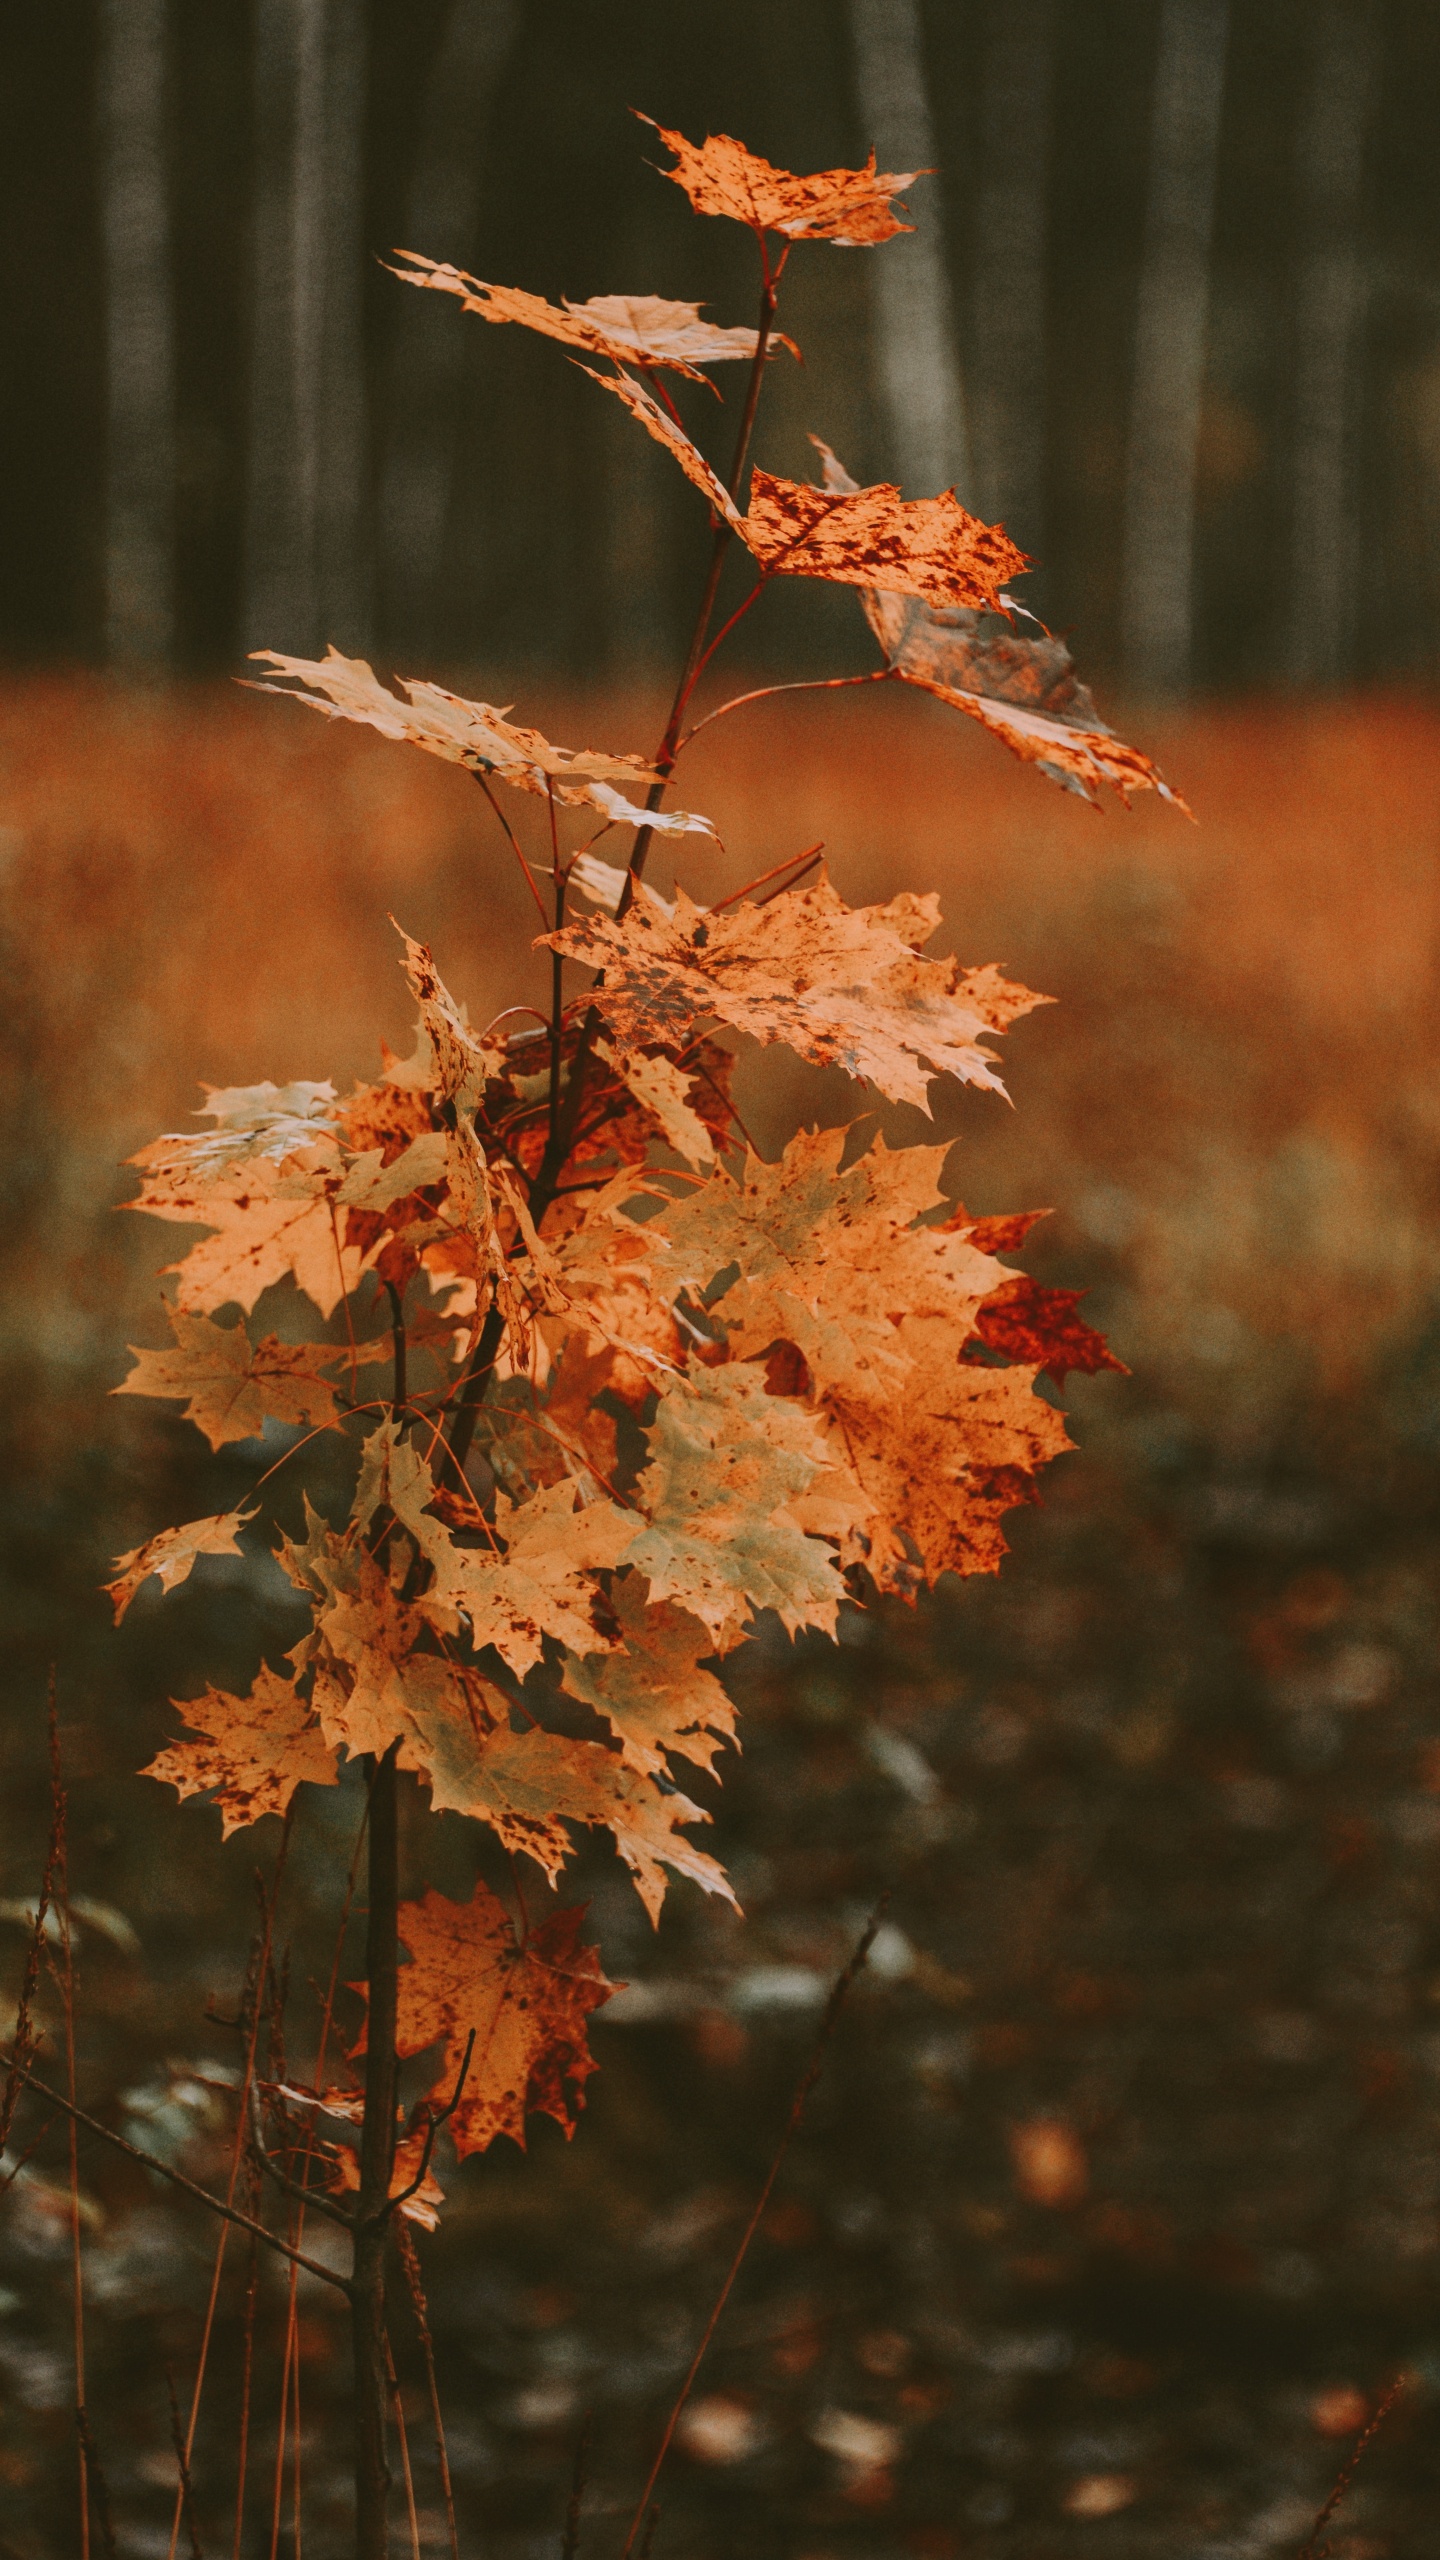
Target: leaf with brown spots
x=252 y=1752
x=853 y=208
x=525 y=2003
x=172 y=1554
x=927 y=547
x=842 y=986
x=654 y=1696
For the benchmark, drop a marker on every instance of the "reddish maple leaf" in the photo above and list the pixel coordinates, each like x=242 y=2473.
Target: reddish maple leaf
x=853 y=208
x=1025 y=1322
x=525 y=2004
x=926 y=547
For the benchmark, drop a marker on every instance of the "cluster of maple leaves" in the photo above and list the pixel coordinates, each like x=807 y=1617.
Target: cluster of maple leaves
x=615 y=1382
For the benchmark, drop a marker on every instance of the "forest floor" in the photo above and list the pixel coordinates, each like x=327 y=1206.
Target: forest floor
x=1118 y=2205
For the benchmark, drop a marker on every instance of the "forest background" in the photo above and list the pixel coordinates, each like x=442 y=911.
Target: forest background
x=1160 y=1809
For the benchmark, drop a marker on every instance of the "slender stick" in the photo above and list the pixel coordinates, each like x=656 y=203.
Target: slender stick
x=833 y=2007
x=410 y=2261
x=182 y=2467
x=571 y=2543
x=177 y=2178
x=247 y=2384
x=515 y=845
x=1313 y=2548
x=377 y=2162
x=762 y=693
x=67 y=1998
x=402 y=2433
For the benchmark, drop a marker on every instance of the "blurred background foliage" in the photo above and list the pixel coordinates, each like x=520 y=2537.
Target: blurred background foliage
x=1120 y=2201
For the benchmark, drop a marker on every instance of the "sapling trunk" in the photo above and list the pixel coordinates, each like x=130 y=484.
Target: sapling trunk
x=377 y=2162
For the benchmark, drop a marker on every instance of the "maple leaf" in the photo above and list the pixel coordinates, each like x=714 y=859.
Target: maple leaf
x=524 y=2003
x=342 y=2165
x=269 y=1221
x=841 y=986
x=938 y=1461
x=458 y=1066
x=850 y=207
x=629 y=328
x=663 y=1090
x=658 y=423
x=475 y=735
x=928 y=547
x=830 y=1261
x=253 y=1751
x=653 y=1695
x=171 y=1554
x=1024 y=690
x=262 y=1123
x=727 y=1460
x=231 y=1387
x=1025 y=1322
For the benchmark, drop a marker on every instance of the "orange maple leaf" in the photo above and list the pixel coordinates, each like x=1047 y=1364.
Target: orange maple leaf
x=658 y=423
x=231 y=1387
x=928 y=547
x=476 y=735
x=254 y=1751
x=850 y=207
x=629 y=328
x=172 y=1553
x=1024 y=690
x=842 y=986
x=525 y=2004
x=653 y=1694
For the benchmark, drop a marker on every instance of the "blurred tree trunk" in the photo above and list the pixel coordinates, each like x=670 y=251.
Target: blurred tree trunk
x=1157 y=603
x=307 y=573
x=1007 y=388
x=139 y=337
x=1329 y=315
x=430 y=344
x=921 y=383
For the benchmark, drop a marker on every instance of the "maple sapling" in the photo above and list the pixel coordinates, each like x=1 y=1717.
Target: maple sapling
x=612 y=1383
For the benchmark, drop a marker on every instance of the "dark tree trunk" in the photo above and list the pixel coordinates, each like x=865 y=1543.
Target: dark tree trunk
x=139 y=337
x=1007 y=381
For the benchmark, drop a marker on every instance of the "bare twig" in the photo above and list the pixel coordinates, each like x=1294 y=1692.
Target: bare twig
x=182 y=2466
x=571 y=2543
x=813 y=2068
x=1314 y=2548
x=177 y=2178
x=99 y=2485
x=410 y=2261
x=288 y=2186
x=441 y=2116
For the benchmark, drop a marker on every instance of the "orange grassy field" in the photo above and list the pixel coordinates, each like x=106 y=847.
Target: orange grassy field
x=1233 y=1105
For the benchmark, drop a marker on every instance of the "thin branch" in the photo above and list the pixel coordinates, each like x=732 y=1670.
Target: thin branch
x=442 y=2115
x=397 y=1337
x=515 y=845
x=1313 y=2548
x=833 y=2007
x=794 y=861
x=177 y=2178
x=812 y=684
x=410 y=2261
x=571 y=2543
x=288 y=2186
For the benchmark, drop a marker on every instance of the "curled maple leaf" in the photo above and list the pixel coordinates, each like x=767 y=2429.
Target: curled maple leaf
x=253 y=1752
x=927 y=547
x=629 y=328
x=525 y=2004
x=841 y=986
x=172 y=1554
x=1024 y=690
x=475 y=735
x=658 y=423
x=852 y=208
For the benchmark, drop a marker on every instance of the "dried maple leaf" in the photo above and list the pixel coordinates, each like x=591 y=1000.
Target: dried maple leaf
x=629 y=328
x=658 y=423
x=525 y=2005
x=475 y=735
x=829 y=1260
x=254 y=1751
x=230 y=1386
x=255 y=1123
x=457 y=1065
x=654 y=1696
x=270 y=1221
x=850 y=207
x=843 y=986
x=927 y=547
x=172 y=1553
x=1025 y=1322
x=663 y=1090
x=1025 y=691
x=938 y=1461
x=342 y=2165
x=727 y=1460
